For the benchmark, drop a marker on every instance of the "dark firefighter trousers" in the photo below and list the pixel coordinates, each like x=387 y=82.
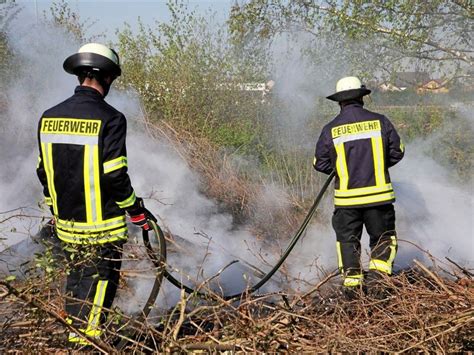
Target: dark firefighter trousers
x=91 y=286
x=379 y=222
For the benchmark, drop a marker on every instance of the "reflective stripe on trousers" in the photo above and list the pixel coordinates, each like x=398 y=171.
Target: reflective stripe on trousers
x=93 y=323
x=385 y=265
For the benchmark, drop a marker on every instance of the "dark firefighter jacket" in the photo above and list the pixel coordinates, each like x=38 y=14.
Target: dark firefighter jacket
x=361 y=145
x=83 y=168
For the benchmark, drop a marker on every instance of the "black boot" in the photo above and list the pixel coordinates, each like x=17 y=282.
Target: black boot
x=351 y=293
x=375 y=285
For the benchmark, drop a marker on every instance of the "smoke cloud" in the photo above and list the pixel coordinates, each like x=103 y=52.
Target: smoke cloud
x=35 y=87
x=432 y=211
x=211 y=241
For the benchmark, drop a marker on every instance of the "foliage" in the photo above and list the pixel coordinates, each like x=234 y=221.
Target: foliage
x=8 y=11
x=455 y=149
x=61 y=16
x=386 y=34
x=187 y=74
x=194 y=78
x=409 y=97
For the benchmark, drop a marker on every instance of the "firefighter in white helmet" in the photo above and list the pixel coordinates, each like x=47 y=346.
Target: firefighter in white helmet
x=83 y=170
x=360 y=145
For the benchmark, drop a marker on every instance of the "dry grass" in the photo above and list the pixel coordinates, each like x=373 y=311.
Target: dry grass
x=220 y=181
x=232 y=188
x=424 y=311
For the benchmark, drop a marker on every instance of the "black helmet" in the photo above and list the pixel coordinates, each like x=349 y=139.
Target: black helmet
x=95 y=56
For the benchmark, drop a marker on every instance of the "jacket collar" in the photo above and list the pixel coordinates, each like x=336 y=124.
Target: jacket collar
x=87 y=90
x=351 y=105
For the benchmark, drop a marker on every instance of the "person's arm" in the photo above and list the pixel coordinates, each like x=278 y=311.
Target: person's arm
x=115 y=178
x=322 y=157
x=396 y=148
x=41 y=173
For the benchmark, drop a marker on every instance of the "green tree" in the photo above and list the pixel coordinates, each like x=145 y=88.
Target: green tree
x=188 y=74
x=384 y=34
x=61 y=15
x=8 y=11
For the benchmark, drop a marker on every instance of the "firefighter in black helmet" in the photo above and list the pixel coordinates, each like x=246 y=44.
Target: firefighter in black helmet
x=360 y=145
x=83 y=169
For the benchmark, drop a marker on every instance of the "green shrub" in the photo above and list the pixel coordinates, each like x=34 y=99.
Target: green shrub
x=187 y=74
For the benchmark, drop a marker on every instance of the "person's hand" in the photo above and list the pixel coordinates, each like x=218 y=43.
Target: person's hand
x=139 y=215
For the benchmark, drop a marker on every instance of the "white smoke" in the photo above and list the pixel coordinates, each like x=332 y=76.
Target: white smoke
x=214 y=241
x=39 y=51
x=432 y=211
x=154 y=169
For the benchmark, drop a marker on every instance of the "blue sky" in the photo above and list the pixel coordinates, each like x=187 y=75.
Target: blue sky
x=112 y=14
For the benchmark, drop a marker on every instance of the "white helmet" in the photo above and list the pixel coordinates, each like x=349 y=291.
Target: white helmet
x=348 y=88
x=94 y=56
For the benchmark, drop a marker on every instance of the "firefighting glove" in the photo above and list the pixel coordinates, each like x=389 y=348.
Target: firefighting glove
x=139 y=215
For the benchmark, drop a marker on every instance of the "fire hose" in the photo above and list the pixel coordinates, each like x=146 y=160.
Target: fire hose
x=158 y=258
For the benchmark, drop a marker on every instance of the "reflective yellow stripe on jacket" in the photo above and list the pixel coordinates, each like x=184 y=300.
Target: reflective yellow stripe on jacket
x=85 y=132
x=110 y=230
x=47 y=151
x=115 y=164
x=128 y=201
x=381 y=191
x=91 y=237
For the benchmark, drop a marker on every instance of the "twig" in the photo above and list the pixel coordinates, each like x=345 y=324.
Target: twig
x=463 y=270
x=206 y=347
x=449 y=330
x=317 y=287
x=27 y=323
x=35 y=302
x=433 y=276
x=182 y=309
x=4 y=292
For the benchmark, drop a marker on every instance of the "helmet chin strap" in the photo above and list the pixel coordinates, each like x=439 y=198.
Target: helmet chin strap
x=105 y=86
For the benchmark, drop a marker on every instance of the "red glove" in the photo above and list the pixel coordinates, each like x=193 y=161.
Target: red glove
x=139 y=215
x=140 y=220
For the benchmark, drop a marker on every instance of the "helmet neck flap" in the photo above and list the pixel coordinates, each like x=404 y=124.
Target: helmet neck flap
x=94 y=61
